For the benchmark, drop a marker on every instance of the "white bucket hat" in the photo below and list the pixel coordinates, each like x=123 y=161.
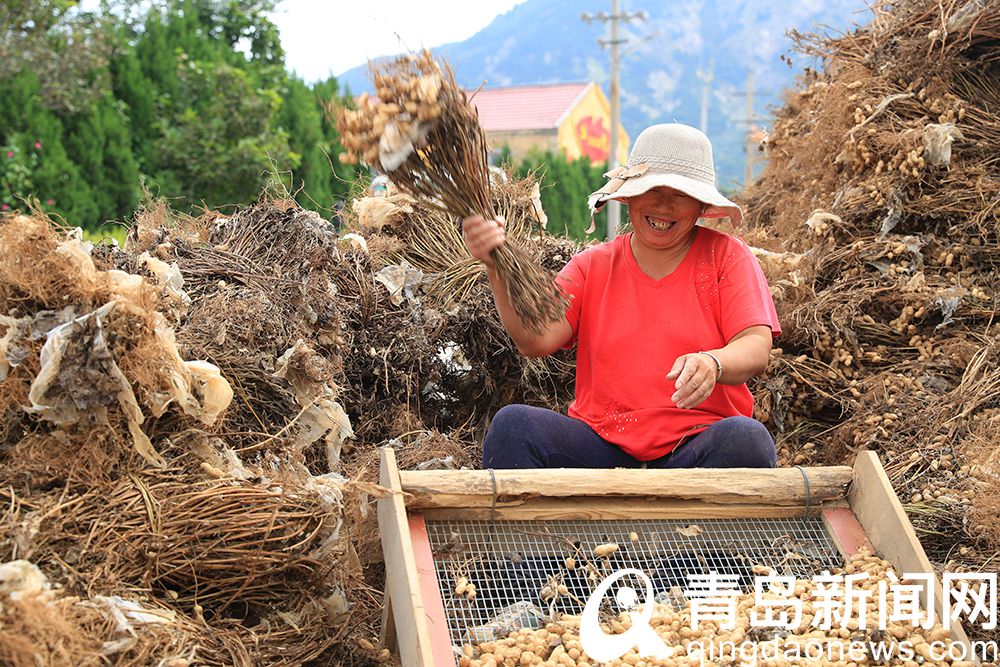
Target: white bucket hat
x=671 y=155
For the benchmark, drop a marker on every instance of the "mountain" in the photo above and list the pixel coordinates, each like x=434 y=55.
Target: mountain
x=544 y=41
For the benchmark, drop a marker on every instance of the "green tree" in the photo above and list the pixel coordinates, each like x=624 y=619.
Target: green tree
x=25 y=120
x=120 y=169
x=302 y=119
x=221 y=148
x=136 y=92
x=191 y=96
x=99 y=143
x=565 y=186
x=217 y=69
x=64 y=46
x=245 y=23
x=341 y=175
x=158 y=58
x=16 y=168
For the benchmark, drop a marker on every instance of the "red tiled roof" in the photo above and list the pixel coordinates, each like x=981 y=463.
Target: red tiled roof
x=538 y=107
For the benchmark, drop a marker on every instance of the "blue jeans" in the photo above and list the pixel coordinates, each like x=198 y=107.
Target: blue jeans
x=521 y=436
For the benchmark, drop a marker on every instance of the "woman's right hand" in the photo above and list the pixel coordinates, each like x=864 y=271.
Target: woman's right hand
x=482 y=237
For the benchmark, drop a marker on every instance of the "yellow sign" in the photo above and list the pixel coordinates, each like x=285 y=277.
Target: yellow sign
x=585 y=130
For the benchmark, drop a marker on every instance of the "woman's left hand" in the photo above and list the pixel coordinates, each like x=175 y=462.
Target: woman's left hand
x=694 y=376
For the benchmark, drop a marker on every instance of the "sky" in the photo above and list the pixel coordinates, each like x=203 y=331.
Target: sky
x=323 y=37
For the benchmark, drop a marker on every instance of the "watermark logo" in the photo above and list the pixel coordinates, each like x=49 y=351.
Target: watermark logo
x=604 y=647
x=972 y=594
x=837 y=601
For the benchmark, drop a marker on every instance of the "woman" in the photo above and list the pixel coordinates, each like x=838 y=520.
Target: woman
x=669 y=322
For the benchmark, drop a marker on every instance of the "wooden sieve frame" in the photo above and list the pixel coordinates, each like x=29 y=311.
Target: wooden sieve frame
x=857 y=504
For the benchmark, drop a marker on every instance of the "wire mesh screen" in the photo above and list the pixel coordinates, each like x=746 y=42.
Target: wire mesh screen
x=515 y=566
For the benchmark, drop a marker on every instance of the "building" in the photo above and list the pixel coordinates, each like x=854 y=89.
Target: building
x=572 y=118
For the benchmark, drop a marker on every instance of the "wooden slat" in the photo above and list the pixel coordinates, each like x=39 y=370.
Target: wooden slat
x=889 y=530
x=437 y=623
x=847 y=532
x=401 y=578
x=583 y=508
x=475 y=488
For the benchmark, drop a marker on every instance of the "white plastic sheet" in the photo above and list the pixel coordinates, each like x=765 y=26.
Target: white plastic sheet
x=938 y=139
x=402 y=281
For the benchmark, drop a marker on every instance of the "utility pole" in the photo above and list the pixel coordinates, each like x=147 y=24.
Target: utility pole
x=706 y=85
x=748 y=168
x=613 y=208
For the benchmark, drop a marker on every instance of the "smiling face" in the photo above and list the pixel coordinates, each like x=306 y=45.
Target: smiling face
x=663 y=218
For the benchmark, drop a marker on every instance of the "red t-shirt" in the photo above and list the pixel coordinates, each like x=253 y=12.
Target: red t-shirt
x=629 y=330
